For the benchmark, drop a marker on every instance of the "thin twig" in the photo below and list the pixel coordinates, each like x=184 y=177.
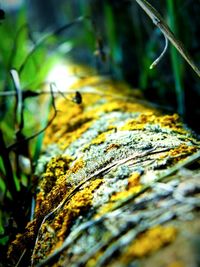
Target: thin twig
x=30 y=93
x=21 y=257
x=161 y=24
x=161 y=55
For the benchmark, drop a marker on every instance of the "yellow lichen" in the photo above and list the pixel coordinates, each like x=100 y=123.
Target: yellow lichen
x=104 y=209
x=112 y=146
x=99 y=84
x=79 y=164
x=53 y=133
x=126 y=193
x=59 y=167
x=100 y=138
x=92 y=262
x=78 y=204
x=182 y=150
x=134 y=179
x=22 y=241
x=121 y=105
x=139 y=122
x=76 y=119
x=150 y=241
x=70 y=137
x=171 y=122
x=176 y=264
x=56 y=168
x=133 y=187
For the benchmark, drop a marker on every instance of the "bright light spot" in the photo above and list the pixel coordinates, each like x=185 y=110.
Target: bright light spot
x=62 y=75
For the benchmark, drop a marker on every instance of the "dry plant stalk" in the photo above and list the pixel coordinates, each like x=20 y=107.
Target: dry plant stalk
x=161 y=24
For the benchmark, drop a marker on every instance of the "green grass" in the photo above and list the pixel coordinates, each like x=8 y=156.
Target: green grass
x=176 y=60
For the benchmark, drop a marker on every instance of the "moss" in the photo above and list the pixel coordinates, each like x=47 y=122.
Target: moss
x=150 y=241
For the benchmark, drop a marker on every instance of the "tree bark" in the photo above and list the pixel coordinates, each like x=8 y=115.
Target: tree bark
x=118 y=185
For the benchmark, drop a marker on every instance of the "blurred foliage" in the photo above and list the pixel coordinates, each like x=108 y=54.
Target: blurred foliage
x=131 y=43
x=15 y=183
x=116 y=38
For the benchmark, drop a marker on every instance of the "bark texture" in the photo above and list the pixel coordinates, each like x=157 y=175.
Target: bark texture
x=114 y=186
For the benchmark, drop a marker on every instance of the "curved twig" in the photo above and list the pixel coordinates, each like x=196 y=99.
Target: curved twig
x=161 y=24
x=161 y=55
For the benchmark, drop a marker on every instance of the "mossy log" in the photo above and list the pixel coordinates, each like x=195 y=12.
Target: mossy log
x=118 y=185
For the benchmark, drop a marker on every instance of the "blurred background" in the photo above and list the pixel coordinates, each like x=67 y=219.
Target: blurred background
x=118 y=39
